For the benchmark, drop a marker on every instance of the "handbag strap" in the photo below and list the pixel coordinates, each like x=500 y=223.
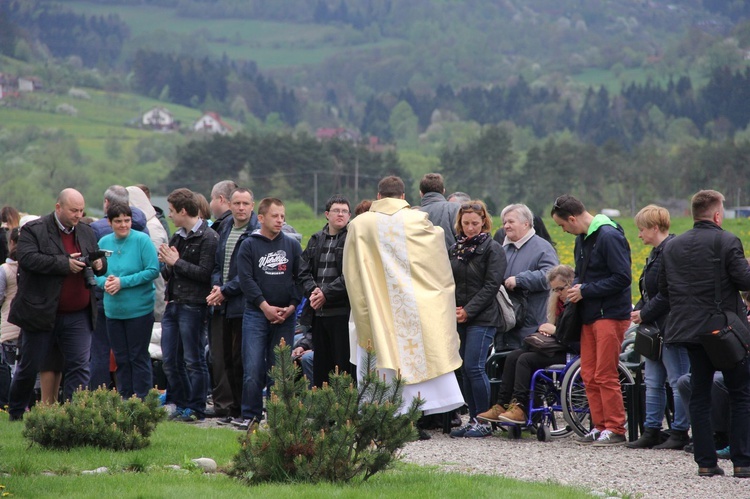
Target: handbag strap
x=718 y=264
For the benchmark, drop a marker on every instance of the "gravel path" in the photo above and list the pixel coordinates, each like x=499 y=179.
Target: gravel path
x=604 y=471
x=614 y=471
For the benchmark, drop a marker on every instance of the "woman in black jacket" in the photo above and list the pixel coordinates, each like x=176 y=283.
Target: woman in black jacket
x=478 y=264
x=653 y=308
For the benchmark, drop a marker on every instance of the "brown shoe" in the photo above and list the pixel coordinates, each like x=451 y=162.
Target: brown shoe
x=712 y=471
x=514 y=414
x=742 y=471
x=492 y=414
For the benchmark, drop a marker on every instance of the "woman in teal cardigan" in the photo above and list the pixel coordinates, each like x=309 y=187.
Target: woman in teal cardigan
x=129 y=300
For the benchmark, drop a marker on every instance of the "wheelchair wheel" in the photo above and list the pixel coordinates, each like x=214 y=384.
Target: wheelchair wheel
x=551 y=421
x=514 y=432
x=543 y=433
x=575 y=405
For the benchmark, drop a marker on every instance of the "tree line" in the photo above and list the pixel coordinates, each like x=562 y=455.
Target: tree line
x=97 y=40
x=294 y=167
x=640 y=112
x=488 y=167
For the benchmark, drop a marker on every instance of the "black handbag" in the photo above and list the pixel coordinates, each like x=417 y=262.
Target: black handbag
x=728 y=340
x=543 y=344
x=648 y=341
x=569 y=324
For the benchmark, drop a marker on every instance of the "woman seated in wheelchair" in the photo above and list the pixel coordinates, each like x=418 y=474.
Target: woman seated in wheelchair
x=513 y=397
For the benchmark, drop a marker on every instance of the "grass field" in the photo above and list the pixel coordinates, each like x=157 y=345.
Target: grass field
x=604 y=77
x=269 y=44
x=37 y=472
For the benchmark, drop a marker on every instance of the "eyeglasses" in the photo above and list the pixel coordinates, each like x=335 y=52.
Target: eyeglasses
x=557 y=205
x=471 y=206
x=560 y=289
x=339 y=212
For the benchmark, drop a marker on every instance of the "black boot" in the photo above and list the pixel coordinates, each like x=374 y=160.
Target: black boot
x=648 y=439
x=677 y=440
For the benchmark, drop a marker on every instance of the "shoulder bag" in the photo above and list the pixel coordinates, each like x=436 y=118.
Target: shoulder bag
x=648 y=341
x=728 y=340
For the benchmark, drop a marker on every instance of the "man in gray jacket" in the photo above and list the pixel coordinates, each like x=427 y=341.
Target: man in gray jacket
x=440 y=212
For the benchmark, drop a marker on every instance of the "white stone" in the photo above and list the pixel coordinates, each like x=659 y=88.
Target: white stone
x=206 y=464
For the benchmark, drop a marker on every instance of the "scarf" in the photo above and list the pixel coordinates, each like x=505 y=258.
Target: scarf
x=466 y=246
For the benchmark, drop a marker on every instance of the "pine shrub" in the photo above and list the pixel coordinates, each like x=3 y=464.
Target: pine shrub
x=331 y=434
x=99 y=418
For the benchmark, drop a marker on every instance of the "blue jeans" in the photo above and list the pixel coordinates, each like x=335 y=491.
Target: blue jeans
x=674 y=363
x=475 y=344
x=184 y=355
x=737 y=381
x=259 y=338
x=130 y=339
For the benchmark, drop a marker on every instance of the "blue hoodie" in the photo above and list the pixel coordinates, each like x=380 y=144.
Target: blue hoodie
x=268 y=270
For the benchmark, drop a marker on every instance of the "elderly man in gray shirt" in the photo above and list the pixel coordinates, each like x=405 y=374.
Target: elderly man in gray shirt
x=440 y=212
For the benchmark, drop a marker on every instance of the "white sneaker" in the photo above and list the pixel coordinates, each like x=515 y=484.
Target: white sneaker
x=589 y=438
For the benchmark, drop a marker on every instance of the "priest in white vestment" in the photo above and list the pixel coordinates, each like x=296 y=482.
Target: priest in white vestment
x=402 y=296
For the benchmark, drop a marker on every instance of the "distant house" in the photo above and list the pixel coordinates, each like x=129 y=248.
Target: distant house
x=158 y=118
x=337 y=133
x=211 y=122
x=29 y=84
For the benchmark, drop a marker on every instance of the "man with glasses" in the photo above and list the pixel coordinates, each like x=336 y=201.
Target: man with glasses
x=603 y=290
x=322 y=283
x=402 y=295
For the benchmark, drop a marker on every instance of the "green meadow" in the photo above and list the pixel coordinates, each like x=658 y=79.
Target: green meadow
x=269 y=44
x=32 y=471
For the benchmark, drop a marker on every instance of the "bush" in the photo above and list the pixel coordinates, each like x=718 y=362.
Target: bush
x=99 y=418
x=334 y=434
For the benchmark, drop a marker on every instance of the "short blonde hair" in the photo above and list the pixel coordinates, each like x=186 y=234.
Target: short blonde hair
x=653 y=216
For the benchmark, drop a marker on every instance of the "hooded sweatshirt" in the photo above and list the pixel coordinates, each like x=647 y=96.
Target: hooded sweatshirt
x=268 y=270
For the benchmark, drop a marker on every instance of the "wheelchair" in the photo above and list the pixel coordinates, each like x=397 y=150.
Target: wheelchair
x=557 y=403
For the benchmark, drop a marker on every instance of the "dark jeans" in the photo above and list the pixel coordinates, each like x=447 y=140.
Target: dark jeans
x=259 y=338
x=520 y=366
x=737 y=381
x=232 y=360
x=719 y=401
x=221 y=390
x=4 y=381
x=72 y=334
x=100 y=347
x=475 y=343
x=130 y=339
x=184 y=357
x=330 y=337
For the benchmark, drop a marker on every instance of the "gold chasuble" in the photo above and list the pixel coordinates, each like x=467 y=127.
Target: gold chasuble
x=402 y=295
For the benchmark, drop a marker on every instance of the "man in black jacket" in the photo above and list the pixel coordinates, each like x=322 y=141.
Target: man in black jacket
x=687 y=280
x=220 y=204
x=54 y=303
x=229 y=305
x=603 y=290
x=322 y=282
x=189 y=260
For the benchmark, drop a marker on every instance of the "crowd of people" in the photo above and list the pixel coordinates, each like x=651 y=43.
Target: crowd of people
x=416 y=284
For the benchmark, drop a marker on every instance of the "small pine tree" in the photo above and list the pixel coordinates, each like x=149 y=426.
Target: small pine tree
x=99 y=418
x=334 y=433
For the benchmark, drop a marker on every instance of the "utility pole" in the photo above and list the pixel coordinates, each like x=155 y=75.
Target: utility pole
x=356 y=172
x=315 y=193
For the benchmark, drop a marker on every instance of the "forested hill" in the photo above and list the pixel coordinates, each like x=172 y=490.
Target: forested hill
x=607 y=92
